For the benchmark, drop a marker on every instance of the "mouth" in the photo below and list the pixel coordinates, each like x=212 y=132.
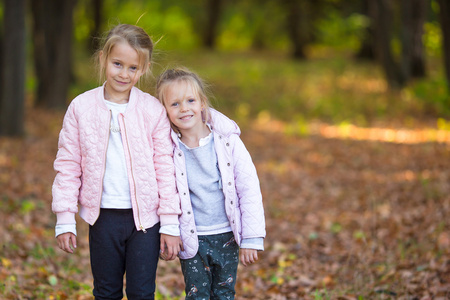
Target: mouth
x=185 y=118
x=121 y=82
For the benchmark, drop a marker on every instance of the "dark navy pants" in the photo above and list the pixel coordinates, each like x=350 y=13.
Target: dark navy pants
x=116 y=248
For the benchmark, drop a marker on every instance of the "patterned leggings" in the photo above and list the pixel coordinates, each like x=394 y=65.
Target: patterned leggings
x=211 y=273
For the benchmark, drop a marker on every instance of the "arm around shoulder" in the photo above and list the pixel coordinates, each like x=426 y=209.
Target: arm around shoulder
x=169 y=205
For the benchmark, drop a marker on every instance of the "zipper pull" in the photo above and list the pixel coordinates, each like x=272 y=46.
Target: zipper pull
x=143 y=229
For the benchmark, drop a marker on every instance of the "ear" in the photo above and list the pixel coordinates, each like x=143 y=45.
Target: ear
x=100 y=55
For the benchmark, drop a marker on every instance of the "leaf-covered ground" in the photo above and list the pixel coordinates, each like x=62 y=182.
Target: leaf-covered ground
x=348 y=215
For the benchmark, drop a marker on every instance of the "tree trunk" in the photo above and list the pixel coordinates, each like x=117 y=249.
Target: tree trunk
x=13 y=69
x=382 y=15
x=366 y=51
x=213 y=18
x=52 y=50
x=419 y=13
x=445 y=26
x=413 y=56
x=297 y=25
x=97 y=14
x=2 y=39
x=406 y=37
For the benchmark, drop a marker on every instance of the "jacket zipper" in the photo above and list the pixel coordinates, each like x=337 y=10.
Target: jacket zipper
x=104 y=163
x=132 y=176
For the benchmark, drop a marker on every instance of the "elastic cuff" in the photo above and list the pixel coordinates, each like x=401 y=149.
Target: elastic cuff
x=169 y=220
x=65 y=218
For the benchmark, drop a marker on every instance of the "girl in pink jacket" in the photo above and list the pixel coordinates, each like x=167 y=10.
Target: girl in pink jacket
x=222 y=218
x=115 y=166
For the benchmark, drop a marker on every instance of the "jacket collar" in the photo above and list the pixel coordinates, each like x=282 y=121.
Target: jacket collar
x=222 y=124
x=131 y=101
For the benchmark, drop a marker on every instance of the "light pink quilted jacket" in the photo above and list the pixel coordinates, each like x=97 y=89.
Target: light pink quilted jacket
x=80 y=162
x=243 y=200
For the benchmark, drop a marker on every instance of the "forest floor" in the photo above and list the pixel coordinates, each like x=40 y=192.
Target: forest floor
x=360 y=214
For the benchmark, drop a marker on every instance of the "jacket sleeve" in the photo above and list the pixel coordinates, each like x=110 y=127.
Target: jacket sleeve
x=248 y=191
x=169 y=200
x=67 y=165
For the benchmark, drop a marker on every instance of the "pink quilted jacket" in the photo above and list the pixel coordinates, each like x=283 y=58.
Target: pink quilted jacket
x=80 y=162
x=243 y=200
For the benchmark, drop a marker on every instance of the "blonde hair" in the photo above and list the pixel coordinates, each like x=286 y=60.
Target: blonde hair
x=135 y=36
x=182 y=74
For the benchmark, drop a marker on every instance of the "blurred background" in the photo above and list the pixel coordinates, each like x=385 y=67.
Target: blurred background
x=354 y=61
x=344 y=106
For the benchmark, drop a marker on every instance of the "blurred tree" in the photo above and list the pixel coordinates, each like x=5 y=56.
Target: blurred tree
x=96 y=12
x=366 y=50
x=13 y=69
x=205 y=16
x=213 y=18
x=2 y=20
x=444 y=8
x=52 y=36
x=297 y=24
x=300 y=23
x=382 y=15
x=411 y=62
x=413 y=55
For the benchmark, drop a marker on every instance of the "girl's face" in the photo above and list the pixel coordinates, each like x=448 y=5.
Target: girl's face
x=122 y=72
x=184 y=108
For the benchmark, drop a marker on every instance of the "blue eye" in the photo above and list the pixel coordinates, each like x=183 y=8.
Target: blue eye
x=116 y=64
x=191 y=100
x=174 y=104
x=133 y=69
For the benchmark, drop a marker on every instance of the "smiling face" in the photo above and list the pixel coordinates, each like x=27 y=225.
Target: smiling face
x=122 y=72
x=184 y=108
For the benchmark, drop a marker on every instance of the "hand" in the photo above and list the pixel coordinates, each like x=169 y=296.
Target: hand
x=67 y=242
x=248 y=256
x=170 y=246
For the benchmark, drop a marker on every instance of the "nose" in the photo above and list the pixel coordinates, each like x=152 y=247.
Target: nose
x=183 y=107
x=123 y=73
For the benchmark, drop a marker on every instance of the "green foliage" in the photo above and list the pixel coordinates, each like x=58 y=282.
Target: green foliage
x=432 y=95
x=328 y=86
x=167 y=23
x=245 y=26
x=342 y=32
x=432 y=39
x=332 y=89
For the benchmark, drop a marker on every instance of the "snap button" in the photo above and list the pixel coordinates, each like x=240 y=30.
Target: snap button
x=179 y=153
x=192 y=230
x=228 y=164
x=232 y=202
x=228 y=144
x=229 y=183
x=188 y=212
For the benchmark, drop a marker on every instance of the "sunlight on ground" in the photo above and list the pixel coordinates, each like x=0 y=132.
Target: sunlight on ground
x=402 y=136
x=352 y=132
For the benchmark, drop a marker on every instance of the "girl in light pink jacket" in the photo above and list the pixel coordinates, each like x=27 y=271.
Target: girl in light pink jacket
x=222 y=218
x=115 y=166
